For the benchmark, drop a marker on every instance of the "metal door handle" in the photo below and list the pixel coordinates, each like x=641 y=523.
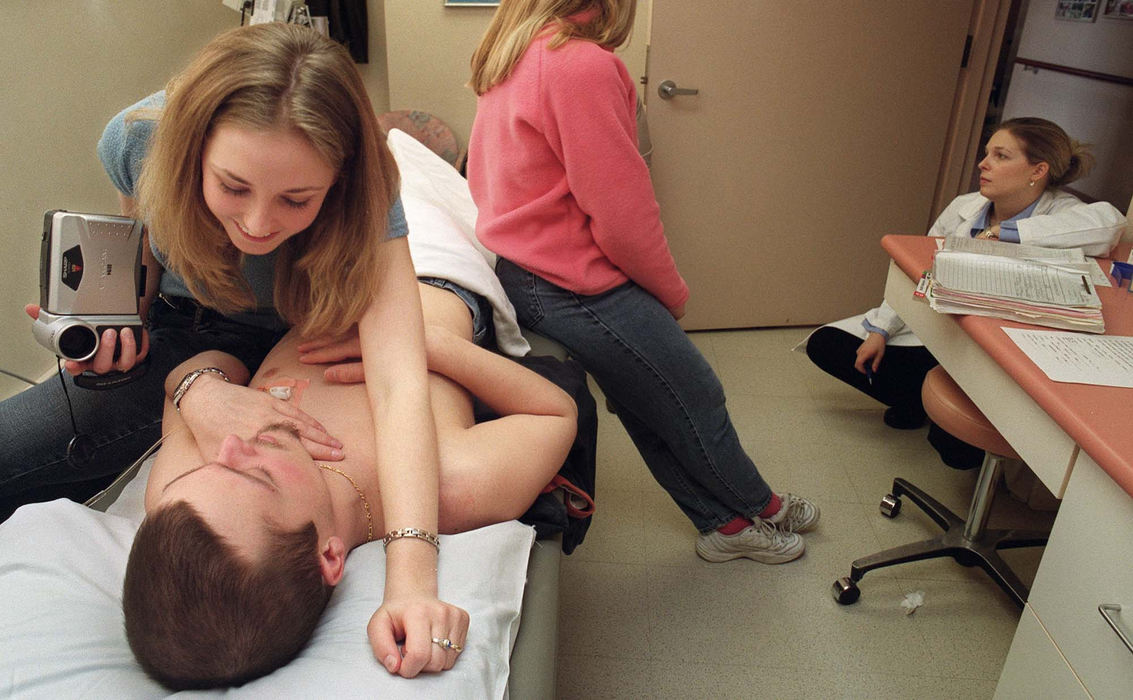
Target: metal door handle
x=668 y=90
x=1105 y=609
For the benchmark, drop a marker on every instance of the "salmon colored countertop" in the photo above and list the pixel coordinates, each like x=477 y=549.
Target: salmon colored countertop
x=1098 y=418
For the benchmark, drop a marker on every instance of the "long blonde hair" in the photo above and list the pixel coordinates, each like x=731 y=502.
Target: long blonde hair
x=517 y=22
x=273 y=76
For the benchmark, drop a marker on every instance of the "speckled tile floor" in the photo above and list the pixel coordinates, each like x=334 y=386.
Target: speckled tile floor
x=641 y=616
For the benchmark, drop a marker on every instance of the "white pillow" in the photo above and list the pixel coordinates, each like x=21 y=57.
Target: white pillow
x=442 y=232
x=61 y=629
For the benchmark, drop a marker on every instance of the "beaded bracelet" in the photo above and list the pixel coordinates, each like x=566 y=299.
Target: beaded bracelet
x=411 y=532
x=187 y=382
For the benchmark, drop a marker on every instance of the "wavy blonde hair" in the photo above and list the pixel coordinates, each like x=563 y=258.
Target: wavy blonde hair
x=517 y=22
x=274 y=76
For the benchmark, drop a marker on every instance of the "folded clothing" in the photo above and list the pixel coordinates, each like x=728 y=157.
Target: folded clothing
x=567 y=504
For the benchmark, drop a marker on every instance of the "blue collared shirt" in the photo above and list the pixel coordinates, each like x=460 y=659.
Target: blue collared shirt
x=1008 y=232
x=1009 y=229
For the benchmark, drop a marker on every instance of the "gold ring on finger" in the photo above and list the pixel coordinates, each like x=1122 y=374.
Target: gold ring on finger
x=447 y=643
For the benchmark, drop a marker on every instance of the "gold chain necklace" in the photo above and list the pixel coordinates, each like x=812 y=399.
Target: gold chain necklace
x=365 y=503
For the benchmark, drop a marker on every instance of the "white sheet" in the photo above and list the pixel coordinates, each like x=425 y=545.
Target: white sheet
x=442 y=232
x=61 y=630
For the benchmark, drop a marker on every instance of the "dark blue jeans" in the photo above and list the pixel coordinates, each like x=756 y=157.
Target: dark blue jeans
x=35 y=425
x=665 y=393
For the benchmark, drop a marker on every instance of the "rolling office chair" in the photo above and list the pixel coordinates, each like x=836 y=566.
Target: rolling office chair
x=968 y=541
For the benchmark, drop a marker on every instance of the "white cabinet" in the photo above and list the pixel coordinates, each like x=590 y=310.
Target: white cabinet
x=1035 y=668
x=1088 y=562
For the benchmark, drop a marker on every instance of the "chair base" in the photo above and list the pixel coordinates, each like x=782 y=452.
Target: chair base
x=967 y=545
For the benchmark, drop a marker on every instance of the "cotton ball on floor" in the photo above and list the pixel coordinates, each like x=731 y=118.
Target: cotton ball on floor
x=912 y=601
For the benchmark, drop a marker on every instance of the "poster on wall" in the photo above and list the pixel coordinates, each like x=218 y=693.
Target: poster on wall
x=1076 y=10
x=1118 y=9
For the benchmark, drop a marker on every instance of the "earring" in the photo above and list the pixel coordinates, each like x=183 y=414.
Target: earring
x=1032 y=183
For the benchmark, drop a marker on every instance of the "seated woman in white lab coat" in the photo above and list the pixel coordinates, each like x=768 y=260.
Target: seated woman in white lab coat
x=1019 y=201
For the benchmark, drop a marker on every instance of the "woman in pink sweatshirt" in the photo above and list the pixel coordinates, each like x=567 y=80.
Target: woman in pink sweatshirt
x=566 y=202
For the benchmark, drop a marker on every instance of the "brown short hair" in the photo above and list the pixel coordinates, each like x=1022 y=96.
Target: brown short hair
x=1044 y=141
x=199 y=616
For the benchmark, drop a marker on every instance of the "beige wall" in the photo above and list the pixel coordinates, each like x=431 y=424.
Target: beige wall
x=1104 y=45
x=68 y=67
x=1092 y=111
x=428 y=47
x=376 y=71
x=59 y=92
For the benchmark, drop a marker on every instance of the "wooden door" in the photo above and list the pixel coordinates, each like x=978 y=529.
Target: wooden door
x=818 y=127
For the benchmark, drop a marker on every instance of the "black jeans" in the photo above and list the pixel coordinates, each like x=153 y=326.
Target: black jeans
x=897 y=383
x=122 y=423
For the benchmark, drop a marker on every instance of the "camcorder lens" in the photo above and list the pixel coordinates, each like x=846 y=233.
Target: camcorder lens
x=77 y=342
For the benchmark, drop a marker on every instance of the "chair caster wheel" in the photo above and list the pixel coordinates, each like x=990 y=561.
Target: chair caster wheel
x=890 y=506
x=845 y=591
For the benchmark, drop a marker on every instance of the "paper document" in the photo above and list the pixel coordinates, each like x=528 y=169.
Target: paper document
x=1013 y=279
x=1106 y=360
x=1069 y=258
x=1013 y=250
x=1054 y=294
x=1098 y=275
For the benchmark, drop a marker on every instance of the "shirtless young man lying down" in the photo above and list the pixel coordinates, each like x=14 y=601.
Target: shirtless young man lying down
x=246 y=533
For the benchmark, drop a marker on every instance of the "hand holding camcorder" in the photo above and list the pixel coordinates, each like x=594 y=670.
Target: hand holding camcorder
x=91 y=277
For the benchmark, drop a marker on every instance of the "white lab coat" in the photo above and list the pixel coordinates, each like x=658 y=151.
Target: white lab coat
x=1059 y=220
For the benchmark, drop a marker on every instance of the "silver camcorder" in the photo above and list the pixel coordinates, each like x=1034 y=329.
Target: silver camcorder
x=90 y=279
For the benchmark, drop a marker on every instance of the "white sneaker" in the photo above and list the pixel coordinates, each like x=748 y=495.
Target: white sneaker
x=762 y=542
x=797 y=514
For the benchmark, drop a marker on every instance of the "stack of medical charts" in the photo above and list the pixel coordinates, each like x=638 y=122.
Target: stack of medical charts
x=1043 y=286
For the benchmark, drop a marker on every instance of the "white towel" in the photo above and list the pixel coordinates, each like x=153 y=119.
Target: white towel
x=61 y=570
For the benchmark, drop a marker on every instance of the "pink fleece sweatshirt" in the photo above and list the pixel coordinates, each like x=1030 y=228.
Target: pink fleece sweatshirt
x=555 y=173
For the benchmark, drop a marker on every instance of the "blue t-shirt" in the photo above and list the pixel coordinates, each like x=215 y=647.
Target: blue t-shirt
x=122 y=150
